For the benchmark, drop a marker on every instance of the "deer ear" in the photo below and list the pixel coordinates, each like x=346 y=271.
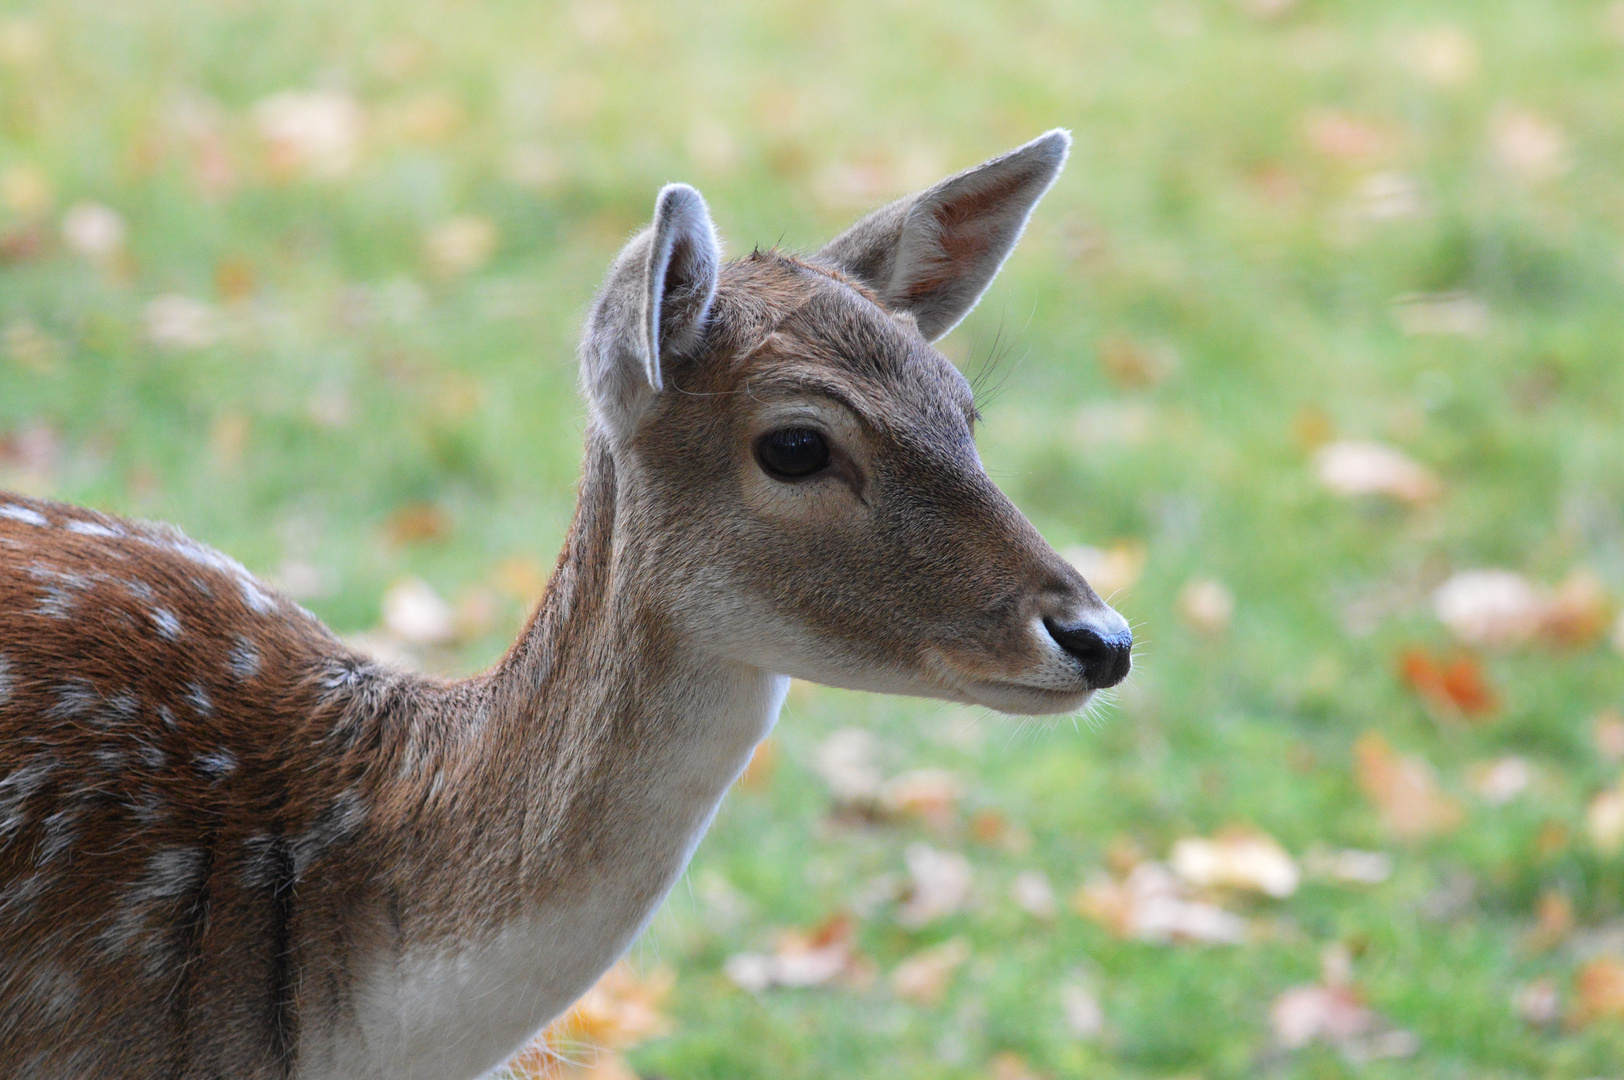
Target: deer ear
x=652 y=308
x=933 y=254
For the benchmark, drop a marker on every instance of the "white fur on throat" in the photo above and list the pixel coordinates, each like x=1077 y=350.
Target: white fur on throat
x=451 y=1015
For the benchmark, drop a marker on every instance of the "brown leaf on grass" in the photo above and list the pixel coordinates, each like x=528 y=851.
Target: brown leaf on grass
x=1337 y=1016
x=1152 y=904
x=763 y=763
x=622 y=1010
x=923 y=978
x=1404 y=790
x=1553 y=921
x=1453 y=688
x=1109 y=570
x=414 y=613
x=932 y=795
x=826 y=953
x=1607 y=733
x=1033 y=894
x=846 y=763
x=1598 y=992
x=1604 y=820
x=1500 y=608
x=1502 y=780
x=1133 y=365
x=938 y=884
x=416 y=523
x=315 y=134
x=1008 y=1065
x=1206 y=606
x=1242 y=859
x=1353 y=468
x=522 y=578
x=1346 y=137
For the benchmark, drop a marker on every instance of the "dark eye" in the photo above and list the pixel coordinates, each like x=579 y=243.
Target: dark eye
x=792 y=453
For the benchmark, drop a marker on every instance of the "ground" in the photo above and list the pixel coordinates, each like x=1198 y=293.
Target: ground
x=305 y=279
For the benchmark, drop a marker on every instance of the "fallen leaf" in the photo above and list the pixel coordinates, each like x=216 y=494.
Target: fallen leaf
x=1528 y=145
x=929 y=794
x=1354 y=468
x=620 y=1011
x=1500 y=781
x=1081 y=1008
x=1350 y=866
x=1453 y=689
x=845 y=761
x=1109 y=570
x=460 y=245
x=1345 y=137
x=1553 y=921
x=1607 y=732
x=1598 y=992
x=1443 y=55
x=315 y=133
x=1576 y=612
x=415 y=613
x=1151 y=904
x=1237 y=859
x=1489 y=607
x=1033 y=894
x=1008 y=1065
x=1335 y=1014
x=1207 y=606
x=93 y=231
x=939 y=884
x=1404 y=790
x=1130 y=364
x=1537 y=1002
x=416 y=523
x=802 y=958
x=758 y=773
x=181 y=322
x=1604 y=821
x=923 y=977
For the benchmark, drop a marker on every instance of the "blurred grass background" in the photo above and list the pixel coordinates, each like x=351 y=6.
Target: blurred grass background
x=305 y=278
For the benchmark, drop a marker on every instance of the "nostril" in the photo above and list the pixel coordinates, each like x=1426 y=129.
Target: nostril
x=1105 y=656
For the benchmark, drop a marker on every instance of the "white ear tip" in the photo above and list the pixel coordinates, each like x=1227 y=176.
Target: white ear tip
x=1054 y=145
x=679 y=200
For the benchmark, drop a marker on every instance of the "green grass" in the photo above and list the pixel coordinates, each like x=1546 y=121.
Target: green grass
x=1201 y=215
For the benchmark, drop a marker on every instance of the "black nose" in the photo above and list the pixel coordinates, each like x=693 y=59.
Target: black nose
x=1106 y=657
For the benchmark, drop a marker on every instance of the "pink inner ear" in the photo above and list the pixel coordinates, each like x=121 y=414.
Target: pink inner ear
x=968 y=224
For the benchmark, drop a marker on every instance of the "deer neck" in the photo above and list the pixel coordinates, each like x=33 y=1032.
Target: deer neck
x=599 y=751
x=626 y=731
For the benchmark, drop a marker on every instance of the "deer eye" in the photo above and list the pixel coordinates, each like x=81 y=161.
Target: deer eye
x=792 y=453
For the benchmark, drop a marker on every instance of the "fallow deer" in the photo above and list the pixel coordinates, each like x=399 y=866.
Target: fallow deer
x=232 y=847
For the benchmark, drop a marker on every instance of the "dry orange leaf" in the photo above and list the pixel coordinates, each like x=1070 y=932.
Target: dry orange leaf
x=929 y=794
x=1352 y=468
x=1454 y=688
x=417 y=523
x=1598 y=991
x=620 y=1011
x=1237 y=859
x=763 y=763
x=1404 y=790
x=924 y=977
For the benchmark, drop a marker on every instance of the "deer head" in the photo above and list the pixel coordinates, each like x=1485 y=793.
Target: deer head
x=797 y=466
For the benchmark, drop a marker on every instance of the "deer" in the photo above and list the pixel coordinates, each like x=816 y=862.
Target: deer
x=233 y=847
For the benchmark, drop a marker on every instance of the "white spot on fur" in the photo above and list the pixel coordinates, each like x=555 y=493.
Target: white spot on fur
x=198 y=699
x=215 y=765
x=165 y=621
x=337 y=823
x=153 y=757
x=93 y=528
x=16 y=790
x=7 y=680
x=74 y=698
x=58 y=832
x=244 y=659
x=172 y=872
x=167 y=715
x=256 y=598
x=24 y=515
x=52 y=988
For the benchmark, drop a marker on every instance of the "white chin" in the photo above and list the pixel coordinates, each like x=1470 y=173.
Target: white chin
x=1027 y=700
